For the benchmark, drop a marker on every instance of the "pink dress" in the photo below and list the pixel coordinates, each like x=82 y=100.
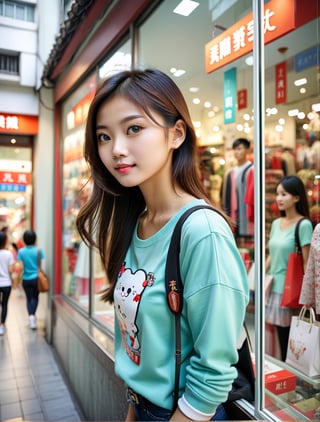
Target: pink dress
x=310 y=291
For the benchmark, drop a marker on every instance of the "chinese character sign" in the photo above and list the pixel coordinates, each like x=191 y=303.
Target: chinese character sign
x=230 y=89
x=19 y=123
x=236 y=41
x=281 y=82
x=15 y=178
x=242 y=96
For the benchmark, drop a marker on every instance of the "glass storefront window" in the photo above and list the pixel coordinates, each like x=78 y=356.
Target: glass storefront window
x=220 y=96
x=75 y=188
x=84 y=277
x=120 y=60
x=221 y=104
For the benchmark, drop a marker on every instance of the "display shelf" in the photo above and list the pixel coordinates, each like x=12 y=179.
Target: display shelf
x=314 y=381
x=301 y=403
x=278 y=405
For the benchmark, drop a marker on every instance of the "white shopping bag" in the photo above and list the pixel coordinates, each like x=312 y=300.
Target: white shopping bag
x=304 y=343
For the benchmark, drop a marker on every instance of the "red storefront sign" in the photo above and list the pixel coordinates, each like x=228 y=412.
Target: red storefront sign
x=18 y=123
x=235 y=42
x=15 y=178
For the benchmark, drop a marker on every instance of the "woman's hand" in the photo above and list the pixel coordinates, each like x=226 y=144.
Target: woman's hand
x=179 y=416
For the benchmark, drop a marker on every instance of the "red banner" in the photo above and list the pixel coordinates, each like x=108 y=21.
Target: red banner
x=281 y=83
x=242 y=98
x=18 y=123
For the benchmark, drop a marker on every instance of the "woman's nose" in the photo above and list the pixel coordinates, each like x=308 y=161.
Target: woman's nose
x=119 y=147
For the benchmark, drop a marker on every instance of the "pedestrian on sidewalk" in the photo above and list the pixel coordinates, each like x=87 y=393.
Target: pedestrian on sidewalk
x=28 y=260
x=6 y=269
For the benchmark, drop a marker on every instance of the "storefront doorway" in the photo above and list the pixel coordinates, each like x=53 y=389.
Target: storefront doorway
x=15 y=184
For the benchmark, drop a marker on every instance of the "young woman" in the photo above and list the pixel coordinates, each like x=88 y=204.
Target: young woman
x=28 y=260
x=293 y=205
x=141 y=148
x=6 y=269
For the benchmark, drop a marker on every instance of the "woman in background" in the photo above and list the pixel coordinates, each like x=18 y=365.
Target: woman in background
x=6 y=269
x=293 y=205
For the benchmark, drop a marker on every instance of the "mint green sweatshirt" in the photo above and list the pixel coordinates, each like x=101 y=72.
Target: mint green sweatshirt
x=215 y=298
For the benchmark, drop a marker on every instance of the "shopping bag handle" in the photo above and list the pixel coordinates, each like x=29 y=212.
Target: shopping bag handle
x=312 y=315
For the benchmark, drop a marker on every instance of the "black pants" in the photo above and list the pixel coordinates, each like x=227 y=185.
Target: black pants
x=32 y=294
x=4 y=298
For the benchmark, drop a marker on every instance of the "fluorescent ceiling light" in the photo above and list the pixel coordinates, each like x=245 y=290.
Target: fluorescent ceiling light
x=293 y=112
x=299 y=82
x=186 y=7
x=177 y=72
x=315 y=107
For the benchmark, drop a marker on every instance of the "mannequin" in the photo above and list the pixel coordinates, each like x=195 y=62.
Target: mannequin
x=238 y=198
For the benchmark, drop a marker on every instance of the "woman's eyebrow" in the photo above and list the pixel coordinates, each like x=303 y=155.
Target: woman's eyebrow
x=124 y=120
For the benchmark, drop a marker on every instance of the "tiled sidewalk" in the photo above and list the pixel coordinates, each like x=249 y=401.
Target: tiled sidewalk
x=32 y=387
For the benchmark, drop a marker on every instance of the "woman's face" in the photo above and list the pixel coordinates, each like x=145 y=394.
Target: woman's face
x=133 y=148
x=285 y=200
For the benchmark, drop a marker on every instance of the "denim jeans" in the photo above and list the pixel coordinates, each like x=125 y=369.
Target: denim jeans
x=32 y=295
x=147 y=411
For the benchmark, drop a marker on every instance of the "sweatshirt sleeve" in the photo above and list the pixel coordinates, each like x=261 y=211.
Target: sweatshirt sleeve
x=216 y=294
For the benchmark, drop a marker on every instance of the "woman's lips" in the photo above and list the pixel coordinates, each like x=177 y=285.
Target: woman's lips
x=124 y=168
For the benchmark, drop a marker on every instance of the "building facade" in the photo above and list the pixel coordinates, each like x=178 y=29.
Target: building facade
x=214 y=55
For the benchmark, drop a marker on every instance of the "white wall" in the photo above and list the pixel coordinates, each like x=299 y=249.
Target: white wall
x=18 y=100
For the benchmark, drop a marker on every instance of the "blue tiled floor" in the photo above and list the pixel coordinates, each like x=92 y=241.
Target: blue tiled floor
x=32 y=387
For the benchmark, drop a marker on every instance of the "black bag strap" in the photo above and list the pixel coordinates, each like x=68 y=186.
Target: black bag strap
x=174 y=284
x=296 y=235
x=174 y=287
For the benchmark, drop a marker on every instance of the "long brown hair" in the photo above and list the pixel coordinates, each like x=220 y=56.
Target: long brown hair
x=108 y=219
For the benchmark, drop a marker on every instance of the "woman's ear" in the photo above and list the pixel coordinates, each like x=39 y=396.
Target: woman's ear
x=178 y=133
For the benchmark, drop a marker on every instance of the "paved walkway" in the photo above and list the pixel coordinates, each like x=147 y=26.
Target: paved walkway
x=32 y=387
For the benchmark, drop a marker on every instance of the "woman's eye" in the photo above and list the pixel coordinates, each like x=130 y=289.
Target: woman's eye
x=134 y=129
x=102 y=137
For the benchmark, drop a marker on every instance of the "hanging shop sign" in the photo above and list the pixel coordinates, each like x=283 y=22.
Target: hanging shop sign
x=18 y=123
x=307 y=59
x=230 y=90
x=242 y=98
x=236 y=41
x=281 y=82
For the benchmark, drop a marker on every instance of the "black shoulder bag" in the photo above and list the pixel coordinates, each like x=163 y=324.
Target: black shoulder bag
x=243 y=385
